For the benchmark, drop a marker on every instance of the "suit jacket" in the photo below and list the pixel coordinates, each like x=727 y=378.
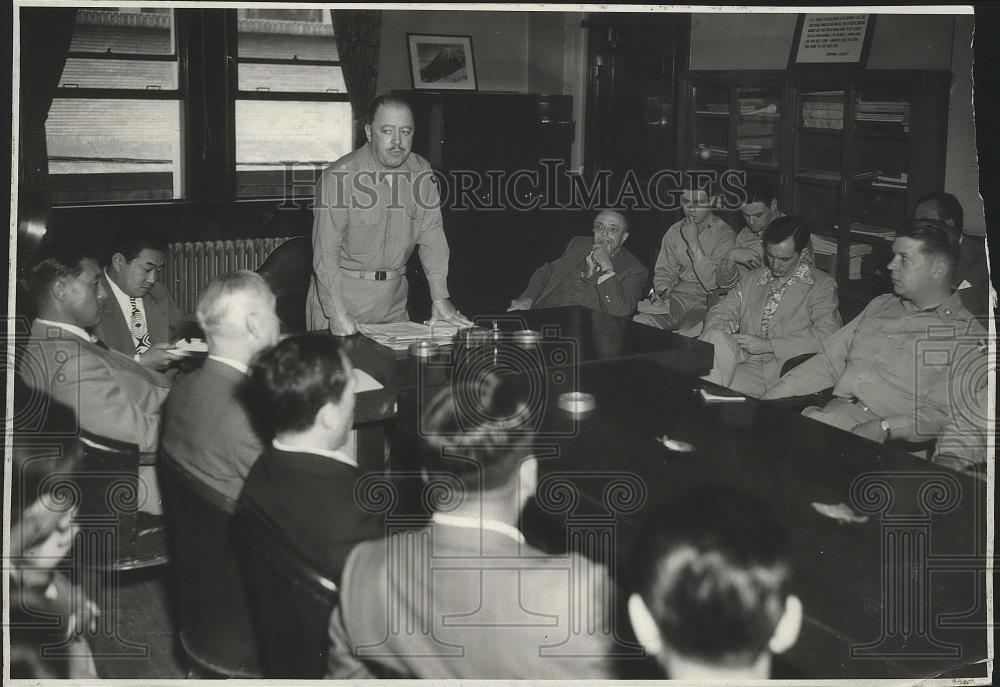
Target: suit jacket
x=453 y=602
x=309 y=499
x=207 y=427
x=805 y=317
x=617 y=296
x=163 y=319
x=111 y=394
x=972 y=270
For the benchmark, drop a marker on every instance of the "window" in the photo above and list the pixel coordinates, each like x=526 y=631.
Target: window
x=114 y=128
x=132 y=122
x=292 y=112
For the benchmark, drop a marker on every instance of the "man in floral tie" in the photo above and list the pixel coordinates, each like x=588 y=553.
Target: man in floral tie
x=775 y=313
x=140 y=320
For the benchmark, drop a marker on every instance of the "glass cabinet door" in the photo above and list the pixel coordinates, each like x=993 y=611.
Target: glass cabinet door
x=819 y=139
x=758 y=131
x=709 y=127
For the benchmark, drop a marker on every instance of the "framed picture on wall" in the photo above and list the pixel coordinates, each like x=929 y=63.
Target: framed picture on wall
x=832 y=39
x=441 y=62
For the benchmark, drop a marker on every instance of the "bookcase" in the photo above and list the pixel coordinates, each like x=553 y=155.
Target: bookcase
x=850 y=151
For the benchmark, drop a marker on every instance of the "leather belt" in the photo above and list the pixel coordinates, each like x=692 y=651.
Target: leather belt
x=379 y=275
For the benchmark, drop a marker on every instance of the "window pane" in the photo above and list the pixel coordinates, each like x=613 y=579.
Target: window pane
x=271 y=135
x=291 y=78
x=145 y=32
x=135 y=74
x=284 y=34
x=114 y=149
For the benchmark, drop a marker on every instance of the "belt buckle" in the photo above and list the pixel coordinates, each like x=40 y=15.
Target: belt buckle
x=380 y=275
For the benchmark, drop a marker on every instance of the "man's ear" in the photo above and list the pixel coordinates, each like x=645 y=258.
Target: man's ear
x=939 y=270
x=57 y=289
x=118 y=262
x=644 y=626
x=253 y=324
x=368 y=132
x=624 y=238
x=787 y=631
x=327 y=416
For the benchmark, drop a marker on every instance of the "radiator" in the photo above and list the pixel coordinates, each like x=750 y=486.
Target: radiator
x=191 y=265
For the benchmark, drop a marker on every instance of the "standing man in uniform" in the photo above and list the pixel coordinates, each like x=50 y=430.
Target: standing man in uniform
x=373 y=206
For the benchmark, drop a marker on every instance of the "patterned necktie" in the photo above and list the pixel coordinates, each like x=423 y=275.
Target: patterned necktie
x=140 y=334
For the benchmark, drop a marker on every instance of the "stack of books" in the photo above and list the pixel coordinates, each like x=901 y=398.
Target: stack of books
x=823 y=110
x=825 y=250
x=884 y=111
x=884 y=181
x=873 y=230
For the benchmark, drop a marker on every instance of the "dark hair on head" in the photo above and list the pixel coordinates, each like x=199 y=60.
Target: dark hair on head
x=130 y=242
x=936 y=238
x=476 y=432
x=386 y=100
x=296 y=378
x=55 y=260
x=713 y=569
x=946 y=206
x=759 y=190
x=620 y=212
x=782 y=228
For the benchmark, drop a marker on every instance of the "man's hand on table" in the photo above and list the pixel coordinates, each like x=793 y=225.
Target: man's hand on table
x=871 y=430
x=520 y=304
x=343 y=324
x=443 y=311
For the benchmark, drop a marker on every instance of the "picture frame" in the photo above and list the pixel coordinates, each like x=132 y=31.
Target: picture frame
x=831 y=40
x=441 y=62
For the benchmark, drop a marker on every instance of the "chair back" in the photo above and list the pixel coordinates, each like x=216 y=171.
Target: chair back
x=287 y=270
x=110 y=493
x=214 y=617
x=291 y=602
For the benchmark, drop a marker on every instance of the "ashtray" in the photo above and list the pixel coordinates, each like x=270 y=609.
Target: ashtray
x=526 y=336
x=577 y=402
x=424 y=349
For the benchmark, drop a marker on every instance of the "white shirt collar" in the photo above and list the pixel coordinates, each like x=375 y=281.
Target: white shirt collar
x=235 y=364
x=71 y=328
x=479 y=523
x=124 y=300
x=325 y=452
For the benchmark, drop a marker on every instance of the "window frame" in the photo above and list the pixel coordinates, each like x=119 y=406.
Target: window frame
x=179 y=94
x=206 y=52
x=273 y=96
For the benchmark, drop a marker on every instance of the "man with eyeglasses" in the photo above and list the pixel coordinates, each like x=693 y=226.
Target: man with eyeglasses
x=599 y=273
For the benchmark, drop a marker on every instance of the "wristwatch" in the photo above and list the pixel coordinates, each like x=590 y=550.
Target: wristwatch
x=884 y=424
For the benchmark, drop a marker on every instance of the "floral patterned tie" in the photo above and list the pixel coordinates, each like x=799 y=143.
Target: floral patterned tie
x=140 y=333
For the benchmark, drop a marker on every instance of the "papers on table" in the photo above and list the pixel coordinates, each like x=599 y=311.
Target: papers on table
x=711 y=397
x=399 y=335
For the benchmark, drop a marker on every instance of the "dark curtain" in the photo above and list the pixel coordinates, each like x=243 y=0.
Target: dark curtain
x=357 y=35
x=45 y=37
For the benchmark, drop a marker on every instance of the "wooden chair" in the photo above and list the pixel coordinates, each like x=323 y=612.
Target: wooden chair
x=291 y=601
x=110 y=491
x=216 y=633
x=287 y=270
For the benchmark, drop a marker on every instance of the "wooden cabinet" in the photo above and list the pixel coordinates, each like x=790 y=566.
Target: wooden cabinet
x=488 y=147
x=851 y=152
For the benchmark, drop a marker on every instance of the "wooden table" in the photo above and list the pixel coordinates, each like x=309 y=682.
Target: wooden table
x=912 y=561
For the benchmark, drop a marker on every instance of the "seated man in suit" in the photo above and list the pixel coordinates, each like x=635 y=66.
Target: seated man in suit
x=111 y=394
x=893 y=368
x=206 y=419
x=139 y=319
x=777 y=312
x=971 y=279
x=303 y=485
x=710 y=588
x=476 y=620
x=600 y=274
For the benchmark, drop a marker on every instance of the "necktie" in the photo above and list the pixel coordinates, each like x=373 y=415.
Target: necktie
x=140 y=334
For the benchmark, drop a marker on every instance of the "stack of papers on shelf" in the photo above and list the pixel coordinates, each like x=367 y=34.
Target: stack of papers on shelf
x=883 y=181
x=824 y=245
x=749 y=151
x=873 y=230
x=890 y=111
x=713 y=109
x=399 y=335
x=823 y=110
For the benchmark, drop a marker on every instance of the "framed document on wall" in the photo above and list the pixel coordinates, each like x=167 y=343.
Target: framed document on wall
x=441 y=63
x=832 y=39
